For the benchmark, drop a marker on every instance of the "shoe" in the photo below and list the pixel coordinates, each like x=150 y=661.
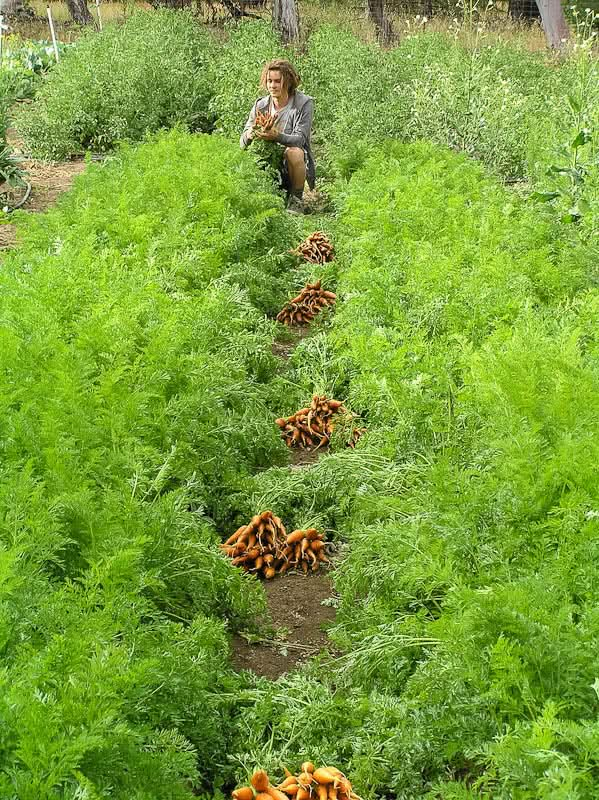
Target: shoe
x=295 y=204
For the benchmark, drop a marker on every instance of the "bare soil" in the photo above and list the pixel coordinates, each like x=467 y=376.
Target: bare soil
x=299 y=620
x=284 y=349
x=300 y=458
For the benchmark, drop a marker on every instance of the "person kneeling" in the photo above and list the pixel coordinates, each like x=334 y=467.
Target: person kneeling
x=292 y=112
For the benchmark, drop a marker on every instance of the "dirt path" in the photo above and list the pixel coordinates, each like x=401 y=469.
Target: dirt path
x=299 y=619
x=299 y=607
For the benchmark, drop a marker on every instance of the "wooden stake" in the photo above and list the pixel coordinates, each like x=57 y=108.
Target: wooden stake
x=99 y=15
x=53 y=34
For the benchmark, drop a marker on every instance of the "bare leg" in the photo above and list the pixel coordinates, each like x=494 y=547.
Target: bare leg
x=297 y=168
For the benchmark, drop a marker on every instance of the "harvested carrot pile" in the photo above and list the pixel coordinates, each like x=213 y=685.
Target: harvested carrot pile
x=317 y=248
x=305 y=550
x=324 y=783
x=306 y=305
x=311 y=428
x=257 y=547
x=264 y=547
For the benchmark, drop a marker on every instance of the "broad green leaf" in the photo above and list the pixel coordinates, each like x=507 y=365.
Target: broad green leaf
x=583 y=137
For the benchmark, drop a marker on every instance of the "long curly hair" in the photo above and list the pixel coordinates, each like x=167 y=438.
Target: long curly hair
x=291 y=79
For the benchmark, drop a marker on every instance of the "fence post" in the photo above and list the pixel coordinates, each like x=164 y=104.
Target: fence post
x=50 y=20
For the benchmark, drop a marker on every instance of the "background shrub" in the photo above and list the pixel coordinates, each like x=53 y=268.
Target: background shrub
x=153 y=71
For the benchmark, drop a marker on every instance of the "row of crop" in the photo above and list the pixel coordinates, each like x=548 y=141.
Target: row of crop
x=134 y=385
x=466 y=334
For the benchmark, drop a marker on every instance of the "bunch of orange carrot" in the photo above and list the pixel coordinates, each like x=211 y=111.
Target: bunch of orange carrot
x=264 y=121
x=324 y=783
x=316 y=248
x=257 y=546
x=304 y=549
x=312 y=427
x=263 y=547
x=306 y=305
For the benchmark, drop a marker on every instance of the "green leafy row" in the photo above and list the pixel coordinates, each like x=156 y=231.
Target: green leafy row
x=466 y=335
x=134 y=387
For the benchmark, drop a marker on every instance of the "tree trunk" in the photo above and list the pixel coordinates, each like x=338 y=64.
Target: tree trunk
x=554 y=23
x=520 y=10
x=382 y=25
x=285 y=19
x=79 y=12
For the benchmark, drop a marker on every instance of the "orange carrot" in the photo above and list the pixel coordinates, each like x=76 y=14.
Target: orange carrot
x=289 y=781
x=307 y=766
x=241 y=560
x=236 y=535
x=295 y=536
x=259 y=780
x=245 y=793
x=321 y=791
x=304 y=778
x=323 y=775
x=275 y=793
x=269 y=573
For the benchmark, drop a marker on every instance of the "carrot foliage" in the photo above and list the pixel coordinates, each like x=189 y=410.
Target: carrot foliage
x=134 y=382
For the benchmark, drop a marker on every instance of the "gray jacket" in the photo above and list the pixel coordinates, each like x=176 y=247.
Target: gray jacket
x=298 y=128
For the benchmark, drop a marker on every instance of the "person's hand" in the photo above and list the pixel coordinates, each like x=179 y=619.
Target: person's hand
x=270 y=135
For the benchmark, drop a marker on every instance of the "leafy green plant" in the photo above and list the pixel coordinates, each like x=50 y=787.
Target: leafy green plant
x=573 y=176
x=465 y=333
x=24 y=62
x=135 y=389
x=11 y=172
x=152 y=72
